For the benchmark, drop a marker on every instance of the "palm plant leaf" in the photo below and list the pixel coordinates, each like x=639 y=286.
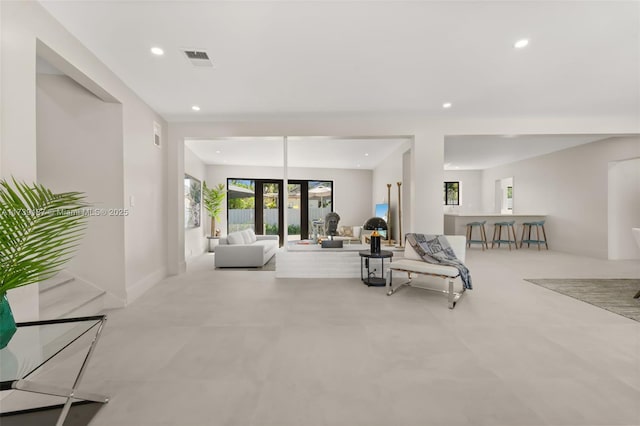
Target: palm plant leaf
x=213 y=198
x=39 y=231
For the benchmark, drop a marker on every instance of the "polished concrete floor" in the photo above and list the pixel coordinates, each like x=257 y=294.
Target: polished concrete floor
x=244 y=348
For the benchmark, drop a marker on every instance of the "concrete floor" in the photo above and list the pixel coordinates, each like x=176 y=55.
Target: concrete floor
x=244 y=348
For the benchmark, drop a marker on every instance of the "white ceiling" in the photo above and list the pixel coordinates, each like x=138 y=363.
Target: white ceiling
x=339 y=57
x=483 y=152
x=460 y=152
x=318 y=152
x=301 y=57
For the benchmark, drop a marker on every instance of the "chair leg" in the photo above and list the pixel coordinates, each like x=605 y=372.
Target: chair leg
x=493 y=239
x=522 y=236
x=484 y=237
x=452 y=302
x=468 y=236
x=538 y=236
x=515 y=241
x=544 y=234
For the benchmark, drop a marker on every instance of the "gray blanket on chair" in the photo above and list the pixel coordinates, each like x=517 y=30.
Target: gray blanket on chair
x=436 y=249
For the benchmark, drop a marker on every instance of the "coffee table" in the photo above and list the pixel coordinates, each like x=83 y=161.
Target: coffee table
x=38 y=343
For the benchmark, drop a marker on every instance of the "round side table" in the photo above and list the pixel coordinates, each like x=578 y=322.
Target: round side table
x=365 y=261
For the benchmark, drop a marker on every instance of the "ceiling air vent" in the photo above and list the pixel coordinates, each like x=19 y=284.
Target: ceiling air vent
x=199 y=58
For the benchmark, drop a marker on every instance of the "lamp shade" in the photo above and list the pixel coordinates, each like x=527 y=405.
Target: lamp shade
x=375 y=223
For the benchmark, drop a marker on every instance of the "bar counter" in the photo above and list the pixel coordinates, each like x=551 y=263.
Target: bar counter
x=456 y=223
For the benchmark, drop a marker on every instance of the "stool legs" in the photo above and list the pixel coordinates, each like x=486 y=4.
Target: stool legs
x=483 y=236
x=511 y=232
x=544 y=234
x=527 y=229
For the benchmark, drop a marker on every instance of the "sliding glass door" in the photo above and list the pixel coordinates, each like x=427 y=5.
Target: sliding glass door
x=270 y=219
x=258 y=204
x=241 y=203
x=255 y=204
x=320 y=203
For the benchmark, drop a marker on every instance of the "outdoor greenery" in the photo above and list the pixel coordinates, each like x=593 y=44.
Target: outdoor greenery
x=273 y=229
x=452 y=193
x=244 y=202
x=39 y=231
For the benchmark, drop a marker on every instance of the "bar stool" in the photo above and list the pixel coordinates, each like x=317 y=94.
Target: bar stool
x=526 y=228
x=483 y=235
x=511 y=231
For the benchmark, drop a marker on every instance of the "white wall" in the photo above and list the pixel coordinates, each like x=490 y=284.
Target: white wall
x=390 y=171
x=24 y=26
x=428 y=149
x=79 y=148
x=351 y=194
x=470 y=190
x=195 y=238
x=624 y=208
x=571 y=187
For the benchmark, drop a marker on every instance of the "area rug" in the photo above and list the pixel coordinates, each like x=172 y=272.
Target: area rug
x=615 y=295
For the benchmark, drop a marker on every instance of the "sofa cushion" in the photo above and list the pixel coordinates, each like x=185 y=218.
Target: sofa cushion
x=249 y=236
x=266 y=244
x=235 y=238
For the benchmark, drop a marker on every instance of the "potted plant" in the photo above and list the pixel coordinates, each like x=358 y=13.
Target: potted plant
x=213 y=198
x=39 y=231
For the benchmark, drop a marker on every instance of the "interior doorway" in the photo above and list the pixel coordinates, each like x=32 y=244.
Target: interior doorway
x=623 y=208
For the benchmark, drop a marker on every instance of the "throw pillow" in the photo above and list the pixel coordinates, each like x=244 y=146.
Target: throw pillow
x=252 y=236
x=235 y=238
x=347 y=231
x=245 y=236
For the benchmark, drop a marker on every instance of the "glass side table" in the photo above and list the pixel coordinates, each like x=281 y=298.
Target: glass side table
x=370 y=279
x=35 y=344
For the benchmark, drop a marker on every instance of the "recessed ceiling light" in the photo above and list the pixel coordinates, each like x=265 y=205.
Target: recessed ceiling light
x=366 y=154
x=157 y=51
x=218 y=152
x=521 y=43
x=447 y=105
x=195 y=108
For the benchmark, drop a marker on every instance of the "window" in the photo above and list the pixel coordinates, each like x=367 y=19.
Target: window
x=452 y=193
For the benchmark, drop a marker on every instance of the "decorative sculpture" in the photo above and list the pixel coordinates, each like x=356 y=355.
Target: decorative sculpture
x=332 y=219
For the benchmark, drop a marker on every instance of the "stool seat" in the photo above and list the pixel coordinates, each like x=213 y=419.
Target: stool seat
x=497 y=234
x=483 y=234
x=526 y=228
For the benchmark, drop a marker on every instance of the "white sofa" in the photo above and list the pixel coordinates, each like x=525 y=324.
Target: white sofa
x=245 y=249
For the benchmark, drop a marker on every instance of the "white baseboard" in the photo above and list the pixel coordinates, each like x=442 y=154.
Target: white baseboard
x=138 y=289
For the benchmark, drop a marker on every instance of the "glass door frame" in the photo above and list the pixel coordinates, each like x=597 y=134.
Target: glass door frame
x=304 y=203
x=260 y=204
